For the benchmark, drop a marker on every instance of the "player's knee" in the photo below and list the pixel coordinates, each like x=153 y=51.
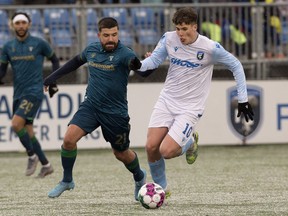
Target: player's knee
x=68 y=143
x=167 y=156
x=166 y=153
x=151 y=148
x=16 y=126
x=119 y=155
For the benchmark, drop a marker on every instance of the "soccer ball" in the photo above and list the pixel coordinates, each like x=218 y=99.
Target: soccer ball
x=151 y=195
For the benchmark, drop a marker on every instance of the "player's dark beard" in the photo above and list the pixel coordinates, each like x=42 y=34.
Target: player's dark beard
x=109 y=43
x=22 y=35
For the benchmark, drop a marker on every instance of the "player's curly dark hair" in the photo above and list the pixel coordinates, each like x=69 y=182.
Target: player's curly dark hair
x=185 y=15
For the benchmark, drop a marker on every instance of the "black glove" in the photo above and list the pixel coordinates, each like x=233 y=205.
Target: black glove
x=52 y=88
x=247 y=111
x=135 y=64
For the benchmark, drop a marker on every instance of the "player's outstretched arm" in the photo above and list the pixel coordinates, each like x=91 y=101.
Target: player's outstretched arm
x=3 y=71
x=68 y=67
x=53 y=88
x=145 y=73
x=50 y=81
x=55 y=62
x=135 y=65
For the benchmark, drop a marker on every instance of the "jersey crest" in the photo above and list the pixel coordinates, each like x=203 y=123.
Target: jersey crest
x=200 y=55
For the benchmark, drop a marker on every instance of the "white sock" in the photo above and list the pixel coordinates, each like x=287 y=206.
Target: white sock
x=32 y=157
x=46 y=165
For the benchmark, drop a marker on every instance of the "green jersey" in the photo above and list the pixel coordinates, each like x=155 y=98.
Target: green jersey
x=109 y=72
x=26 y=59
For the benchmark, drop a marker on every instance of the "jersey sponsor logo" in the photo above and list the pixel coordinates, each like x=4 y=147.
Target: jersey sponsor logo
x=101 y=66
x=200 y=55
x=26 y=58
x=239 y=126
x=184 y=63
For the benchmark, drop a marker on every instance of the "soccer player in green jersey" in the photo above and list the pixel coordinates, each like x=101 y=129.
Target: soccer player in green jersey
x=105 y=104
x=26 y=55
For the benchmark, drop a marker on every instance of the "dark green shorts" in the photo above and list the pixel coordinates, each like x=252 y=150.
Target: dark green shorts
x=27 y=107
x=115 y=128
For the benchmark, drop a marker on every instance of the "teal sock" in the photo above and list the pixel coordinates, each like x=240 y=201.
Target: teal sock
x=25 y=140
x=68 y=159
x=158 y=174
x=134 y=168
x=38 y=150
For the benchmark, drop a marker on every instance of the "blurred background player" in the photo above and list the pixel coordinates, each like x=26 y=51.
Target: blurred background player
x=171 y=130
x=26 y=55
x=105 y=103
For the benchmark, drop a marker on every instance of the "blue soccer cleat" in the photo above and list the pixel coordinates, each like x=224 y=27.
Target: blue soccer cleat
x=60 y=188
x=139 y=184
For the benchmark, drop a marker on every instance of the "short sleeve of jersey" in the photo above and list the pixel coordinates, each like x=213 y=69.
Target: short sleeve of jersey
x=83 y=55
x=129 y=56
x=46 y=48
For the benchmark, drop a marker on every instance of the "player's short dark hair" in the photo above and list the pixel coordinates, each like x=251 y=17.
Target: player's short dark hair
x=23 y=13
x=185 y=15
x=107 y=22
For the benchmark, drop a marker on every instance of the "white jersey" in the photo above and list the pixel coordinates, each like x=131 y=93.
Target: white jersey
x=188 y=80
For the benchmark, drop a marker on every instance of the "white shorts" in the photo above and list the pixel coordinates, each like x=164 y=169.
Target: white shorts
x=180 y=125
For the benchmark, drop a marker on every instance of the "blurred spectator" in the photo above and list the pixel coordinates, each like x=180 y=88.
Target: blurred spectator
x=30 y=2
x=116 y=1
x=283 y=9
x=183 y=1
x=272 y=30
x=221 y=26
x=151 y=1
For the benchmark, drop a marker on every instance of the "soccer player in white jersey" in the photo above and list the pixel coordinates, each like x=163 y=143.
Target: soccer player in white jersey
x=171 y=130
